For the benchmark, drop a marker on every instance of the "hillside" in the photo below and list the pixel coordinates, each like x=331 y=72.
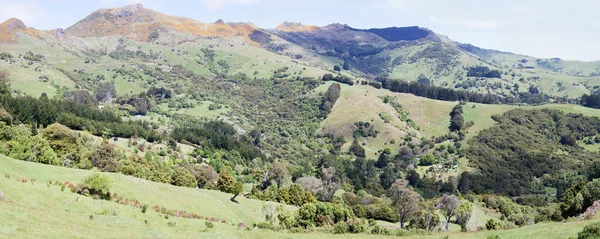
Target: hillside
x=83 y=216
x=395 y=131
x=142 y=24
x=432 y=117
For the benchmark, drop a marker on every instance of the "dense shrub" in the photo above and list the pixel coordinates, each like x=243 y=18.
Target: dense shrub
x=341 y=228
x=182 y=177
x=492 y=224
x=590 y=231
x=98 y=181
x=357 y=225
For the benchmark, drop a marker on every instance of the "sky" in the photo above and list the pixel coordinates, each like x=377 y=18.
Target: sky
x=541 y=28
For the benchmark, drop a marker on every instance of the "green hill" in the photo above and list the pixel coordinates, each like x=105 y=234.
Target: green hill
x=299 y=115
x=34 y=210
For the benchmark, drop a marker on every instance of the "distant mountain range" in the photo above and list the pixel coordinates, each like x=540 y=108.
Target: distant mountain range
x=396 y=52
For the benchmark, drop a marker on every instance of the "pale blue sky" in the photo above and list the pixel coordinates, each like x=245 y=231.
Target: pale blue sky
x=541 y=28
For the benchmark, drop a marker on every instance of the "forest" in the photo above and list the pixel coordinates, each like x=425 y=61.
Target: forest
x=541 y=148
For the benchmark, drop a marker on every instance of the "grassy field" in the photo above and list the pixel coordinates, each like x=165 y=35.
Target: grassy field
x=362 y=103
x=34 y=210
x=201 y=109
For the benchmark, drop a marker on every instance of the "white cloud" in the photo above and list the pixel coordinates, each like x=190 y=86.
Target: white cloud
x=28 y=11
x=220 y=4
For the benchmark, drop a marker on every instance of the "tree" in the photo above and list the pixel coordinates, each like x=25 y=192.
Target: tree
x=404 y=200
x=207 y=177
x=387 y=177
x=237 y=190
x=311 y=184
x=106 y=157
x=337 y=68
x=269 y=209
x=182 y=177
x=330 y=184
x=456 y=118
x=382 y=160
x=413 y=177
x=591 y=192
x=4 y=82
x=423 y=80
x=357 y=150
x=573 y=200
x=299 y=197
x=279 y=173
x=463 y=214
x=333 y=93
x=346 y=65
x=105 y=92
x=427 y=218
x=428 y=159
x=329 y=98
x=226 y=182
x=448 y=204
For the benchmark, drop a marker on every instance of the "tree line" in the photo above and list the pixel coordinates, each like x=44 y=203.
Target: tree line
x=438 y=93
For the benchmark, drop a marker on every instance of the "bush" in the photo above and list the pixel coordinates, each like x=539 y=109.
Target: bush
x=377 y=230
x=492 y=224
x=428 y=159
x=144 y=208
x=209 y=224
x=372 y=222
x=264 y=225
x=306 y=214
x=340 y=228
x=357 y=225
x=591 y=231
x=98 y=181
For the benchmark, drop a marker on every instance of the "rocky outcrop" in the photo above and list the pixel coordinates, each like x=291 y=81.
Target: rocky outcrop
x=14 y=23
x=59 y=33
x=128 y=10
x=295 y=27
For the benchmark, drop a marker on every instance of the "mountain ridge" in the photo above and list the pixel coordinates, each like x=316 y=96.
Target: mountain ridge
x=192 y=26
x=409 y=53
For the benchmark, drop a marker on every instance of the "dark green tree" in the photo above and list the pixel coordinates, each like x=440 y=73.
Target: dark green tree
x=357 y=150
x=456 y=118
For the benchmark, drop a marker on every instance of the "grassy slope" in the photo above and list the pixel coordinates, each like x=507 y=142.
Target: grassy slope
x=361 y=103
x=37 y=211
x=147 y=192
x=70 y=54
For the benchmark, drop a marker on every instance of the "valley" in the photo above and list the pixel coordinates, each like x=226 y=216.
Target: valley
x=136 y=124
